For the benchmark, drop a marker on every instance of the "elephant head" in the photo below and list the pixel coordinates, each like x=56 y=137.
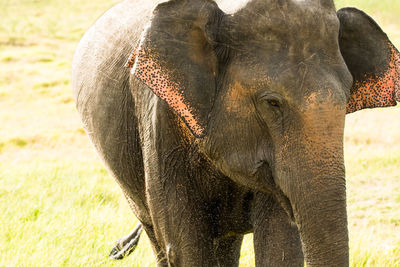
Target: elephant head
x=265 y=91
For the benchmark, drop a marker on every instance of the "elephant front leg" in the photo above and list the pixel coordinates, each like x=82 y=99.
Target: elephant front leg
x=161 y=258
x=181 y=221
x=276 y=239
x=174 y=190
x=185 y=235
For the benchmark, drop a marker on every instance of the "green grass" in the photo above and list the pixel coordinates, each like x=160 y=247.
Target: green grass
x=61 y=208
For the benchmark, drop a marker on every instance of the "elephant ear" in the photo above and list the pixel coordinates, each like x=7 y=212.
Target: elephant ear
x=371 y=58
x=176 y=59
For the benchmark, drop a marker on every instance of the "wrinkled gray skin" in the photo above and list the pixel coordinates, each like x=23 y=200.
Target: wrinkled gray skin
x=196 y=199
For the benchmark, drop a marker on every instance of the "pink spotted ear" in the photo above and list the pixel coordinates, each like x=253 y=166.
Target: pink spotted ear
x=176 y=59
x=164 y=85
x=372 y=60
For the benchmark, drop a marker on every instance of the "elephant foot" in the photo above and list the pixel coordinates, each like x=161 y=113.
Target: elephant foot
x=126 y=244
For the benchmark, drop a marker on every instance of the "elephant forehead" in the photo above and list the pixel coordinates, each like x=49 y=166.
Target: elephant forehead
x=312 y=81
x=300 y=23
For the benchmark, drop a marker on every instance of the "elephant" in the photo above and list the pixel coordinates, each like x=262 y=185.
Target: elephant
x=219 y=119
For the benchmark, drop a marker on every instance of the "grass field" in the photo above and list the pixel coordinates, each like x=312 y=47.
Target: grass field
x=60 y=207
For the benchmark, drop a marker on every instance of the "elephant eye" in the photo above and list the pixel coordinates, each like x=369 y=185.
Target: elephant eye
x=273 y=102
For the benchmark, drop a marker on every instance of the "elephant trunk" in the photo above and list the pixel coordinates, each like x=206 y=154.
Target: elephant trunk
x=319 y=206
x=311 y=174
x=320 y=214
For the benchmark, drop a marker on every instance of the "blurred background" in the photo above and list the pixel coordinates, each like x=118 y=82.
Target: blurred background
x=59 y=207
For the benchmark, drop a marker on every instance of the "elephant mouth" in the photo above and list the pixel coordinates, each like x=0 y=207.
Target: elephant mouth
x=285 y=204
x=275 y=191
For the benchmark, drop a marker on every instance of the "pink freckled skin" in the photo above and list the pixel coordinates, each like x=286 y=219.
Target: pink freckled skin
x=154 y=76
x=377 y=91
